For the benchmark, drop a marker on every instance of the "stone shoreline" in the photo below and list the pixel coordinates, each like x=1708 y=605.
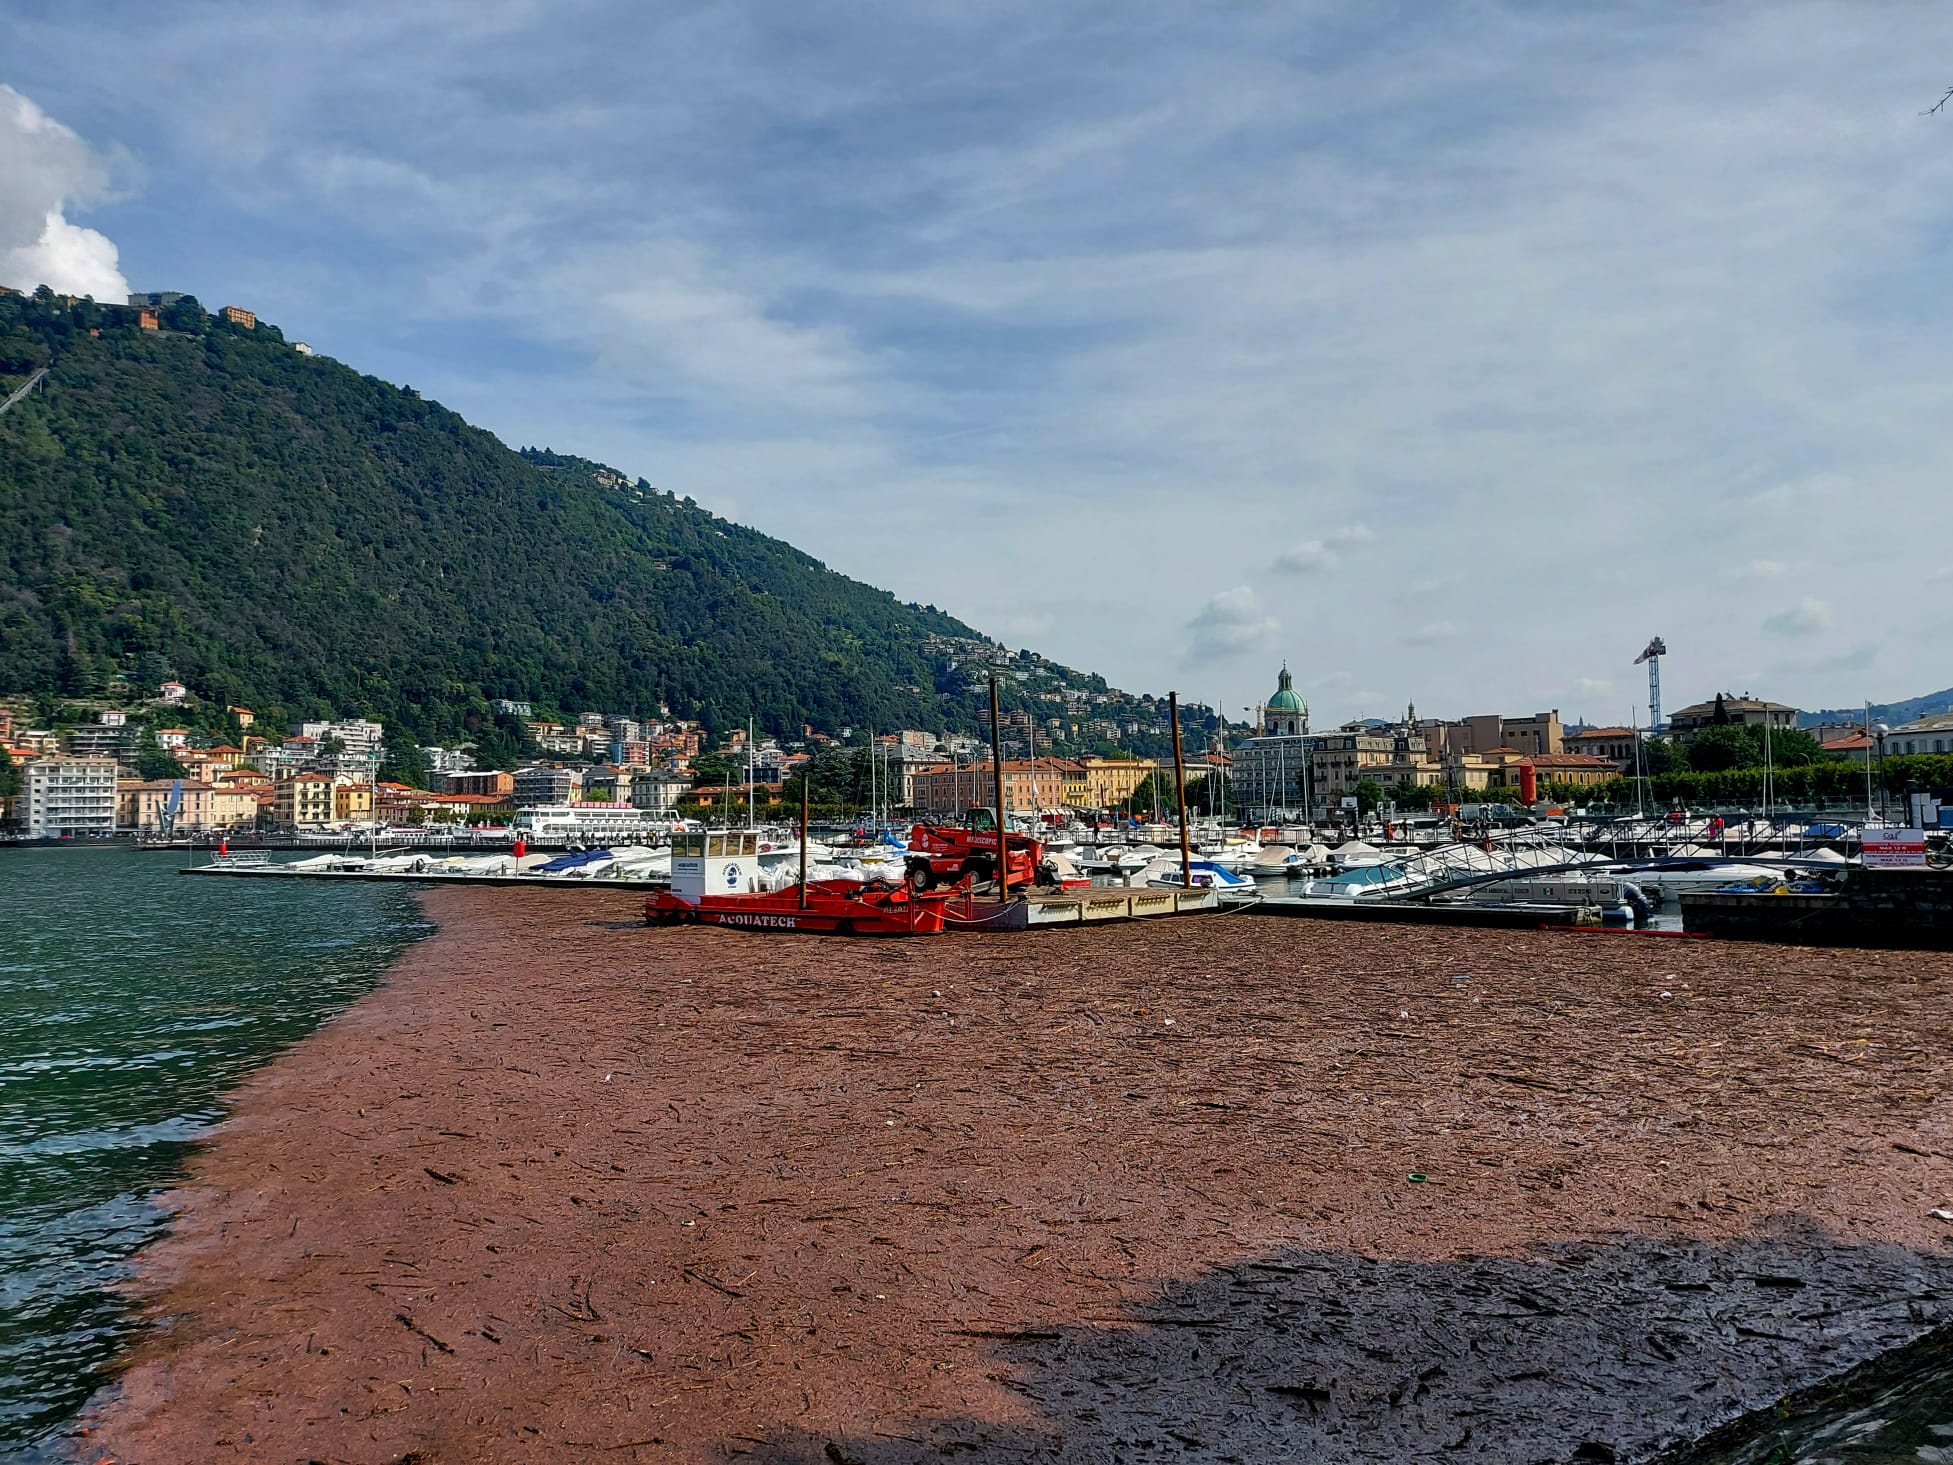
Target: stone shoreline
x=568 y=1188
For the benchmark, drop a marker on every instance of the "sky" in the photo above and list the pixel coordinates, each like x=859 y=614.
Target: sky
x=1447 y=354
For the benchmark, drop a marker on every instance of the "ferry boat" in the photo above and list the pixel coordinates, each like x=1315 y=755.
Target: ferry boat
x=595 y=824
x=716 y=880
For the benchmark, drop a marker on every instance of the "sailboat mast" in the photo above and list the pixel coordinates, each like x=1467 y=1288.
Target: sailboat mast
x=1766 y=761
x=1036 y=804
x=1180 y=792
x=1634 y=730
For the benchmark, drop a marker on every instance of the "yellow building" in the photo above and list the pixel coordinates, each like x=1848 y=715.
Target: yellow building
x=1100 y=783
x=1577 y=768
x=233 y=807
x=352 y=801
x=303 y=800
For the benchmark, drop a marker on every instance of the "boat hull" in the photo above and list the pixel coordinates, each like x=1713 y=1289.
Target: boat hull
x=827 y=911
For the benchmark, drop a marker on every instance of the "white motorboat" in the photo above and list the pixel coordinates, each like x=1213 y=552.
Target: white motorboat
x=1232 y=888
x=1373 y=880
x=1119 y=862
x=1355 y=854
x=1670 y=882
x=1618 y=898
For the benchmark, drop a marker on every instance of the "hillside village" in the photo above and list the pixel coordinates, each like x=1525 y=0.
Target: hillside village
x=180 y=761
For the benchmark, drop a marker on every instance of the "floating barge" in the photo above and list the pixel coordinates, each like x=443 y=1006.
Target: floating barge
x=1515 y=917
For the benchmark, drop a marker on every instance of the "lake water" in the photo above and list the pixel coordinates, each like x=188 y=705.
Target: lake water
x=131 y=999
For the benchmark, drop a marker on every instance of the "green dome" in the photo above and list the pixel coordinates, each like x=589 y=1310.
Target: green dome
x=1285 y=699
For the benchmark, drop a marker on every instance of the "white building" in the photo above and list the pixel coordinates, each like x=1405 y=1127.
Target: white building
x=354 y=734
x=1932 y=734
x=449 y=760
x=68 y=796
x=657 y=791
x=543 y=784
x=1270 y=768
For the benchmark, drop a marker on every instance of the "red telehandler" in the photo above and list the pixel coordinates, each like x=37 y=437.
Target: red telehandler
x=947 y=854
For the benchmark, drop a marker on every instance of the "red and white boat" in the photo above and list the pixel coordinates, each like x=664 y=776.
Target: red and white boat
x=715 y=881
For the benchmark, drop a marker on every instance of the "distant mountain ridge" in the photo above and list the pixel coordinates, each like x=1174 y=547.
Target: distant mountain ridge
x=1894 y=713
x=275 y=530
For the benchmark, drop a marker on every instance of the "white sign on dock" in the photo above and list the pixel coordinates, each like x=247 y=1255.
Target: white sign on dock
x=1889 y=849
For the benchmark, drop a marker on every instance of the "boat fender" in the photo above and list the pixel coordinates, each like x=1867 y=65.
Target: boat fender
x=1637 y=901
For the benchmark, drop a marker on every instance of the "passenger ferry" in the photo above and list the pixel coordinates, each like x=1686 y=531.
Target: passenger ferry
x=596 y=824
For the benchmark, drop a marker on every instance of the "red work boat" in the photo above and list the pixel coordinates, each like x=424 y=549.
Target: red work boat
x=837 y=907
x=715 y=882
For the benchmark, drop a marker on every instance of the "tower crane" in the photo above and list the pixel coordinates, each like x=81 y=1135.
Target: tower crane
x=1657 y=649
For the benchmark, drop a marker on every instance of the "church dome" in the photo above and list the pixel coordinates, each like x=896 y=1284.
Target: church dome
x=1285 y=699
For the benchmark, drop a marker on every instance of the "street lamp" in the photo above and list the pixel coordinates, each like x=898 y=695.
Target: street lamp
x=1882 y=730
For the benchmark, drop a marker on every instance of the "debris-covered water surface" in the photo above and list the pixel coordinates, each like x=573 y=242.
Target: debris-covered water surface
x=1229 y=1188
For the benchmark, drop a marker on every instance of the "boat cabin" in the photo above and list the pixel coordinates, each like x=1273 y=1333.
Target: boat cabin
x=714 y=862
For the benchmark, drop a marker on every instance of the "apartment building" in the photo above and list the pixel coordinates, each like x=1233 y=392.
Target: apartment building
x=489 y=782
x=63 y=798
x=658 y=790
x=303 y=800
x=1616 y=744
x=143 y=805
x=945 y=791
x=545 y=783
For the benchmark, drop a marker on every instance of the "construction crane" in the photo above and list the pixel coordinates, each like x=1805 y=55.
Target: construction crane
x=1657 y=649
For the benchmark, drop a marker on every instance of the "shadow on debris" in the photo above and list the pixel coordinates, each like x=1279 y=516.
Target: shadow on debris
x=1585 y=1352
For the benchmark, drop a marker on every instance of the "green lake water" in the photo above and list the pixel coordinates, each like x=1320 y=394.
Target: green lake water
x=131 y=999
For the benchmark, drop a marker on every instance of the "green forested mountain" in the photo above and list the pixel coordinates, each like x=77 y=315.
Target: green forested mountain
x=277 y=530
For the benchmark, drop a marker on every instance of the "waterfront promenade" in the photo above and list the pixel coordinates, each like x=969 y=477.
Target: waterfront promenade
x=1238 y=1188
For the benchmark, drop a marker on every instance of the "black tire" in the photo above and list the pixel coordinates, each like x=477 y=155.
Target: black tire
x=979 y=870
x=922 y=875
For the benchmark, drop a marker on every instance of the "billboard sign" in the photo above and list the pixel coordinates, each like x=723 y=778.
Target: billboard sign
x=1892 y=849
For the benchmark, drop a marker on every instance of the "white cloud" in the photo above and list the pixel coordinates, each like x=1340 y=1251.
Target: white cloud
x=1313 y=556
x=1231 y=623
x=1432 y=632
x=1309 y=557
x=46 y=169
x=1806 y=618
x=1765 y=570
x=1592 y=686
